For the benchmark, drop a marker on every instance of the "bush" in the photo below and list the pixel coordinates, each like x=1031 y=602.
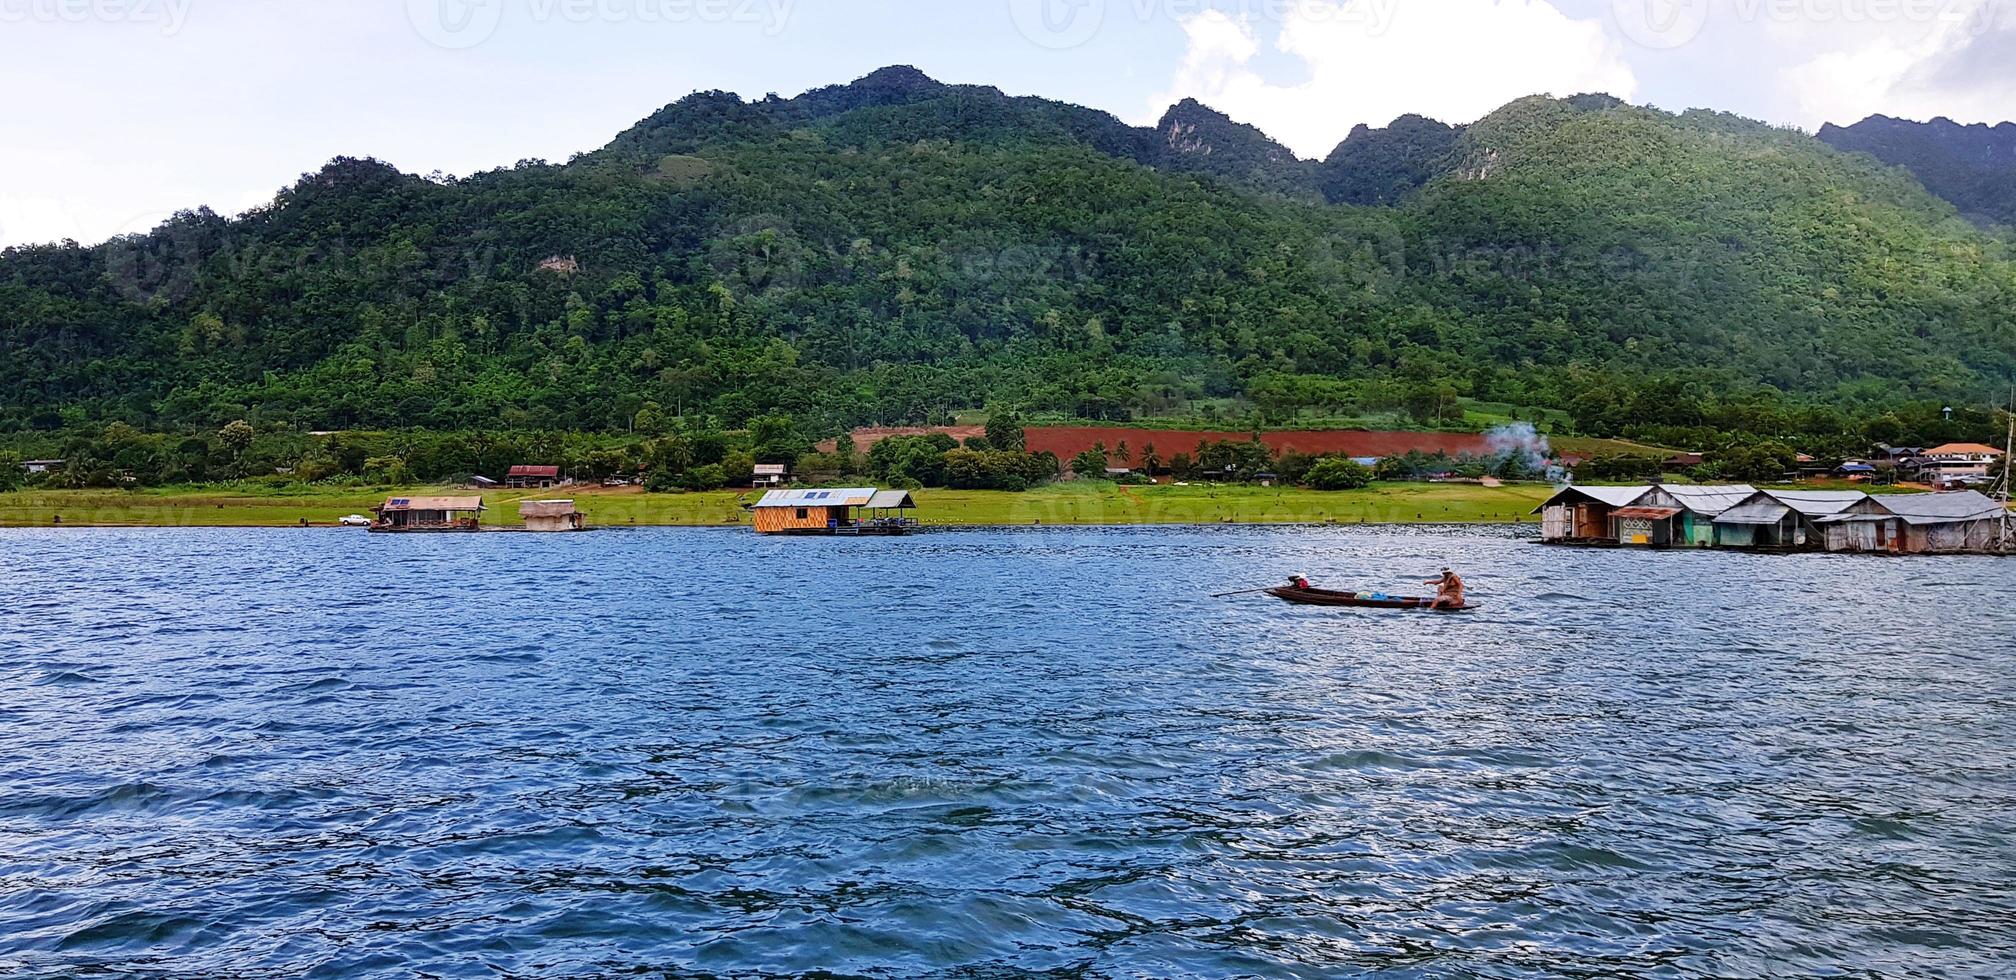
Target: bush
x=709 y=477
x=1336 y=473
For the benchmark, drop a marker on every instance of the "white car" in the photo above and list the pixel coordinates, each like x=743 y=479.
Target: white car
x=355 y=520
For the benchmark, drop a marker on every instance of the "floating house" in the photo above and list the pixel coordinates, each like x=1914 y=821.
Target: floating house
x=1964 y=522
x=1583 y=515
x=1782 y=519
x=847 y=511
x=1690 y=514
x=552 y=515
x=412 y=514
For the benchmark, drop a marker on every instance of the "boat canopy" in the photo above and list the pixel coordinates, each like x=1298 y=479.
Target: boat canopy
x=397 y=504
x=891 y=500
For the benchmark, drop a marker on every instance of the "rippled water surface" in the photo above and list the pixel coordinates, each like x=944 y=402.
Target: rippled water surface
x=233 y=753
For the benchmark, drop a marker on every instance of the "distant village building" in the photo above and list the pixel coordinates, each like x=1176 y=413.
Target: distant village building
x=770 y=475
x=1956 y=462
x=552 y=516
x=532 y=477
x=835 y=512
x=429 y=514
x=41 y=465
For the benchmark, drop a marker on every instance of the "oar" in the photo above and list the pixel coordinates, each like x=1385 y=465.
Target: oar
x=1228 y=595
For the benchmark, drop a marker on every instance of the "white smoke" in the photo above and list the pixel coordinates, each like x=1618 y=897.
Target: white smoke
x=1519 y=449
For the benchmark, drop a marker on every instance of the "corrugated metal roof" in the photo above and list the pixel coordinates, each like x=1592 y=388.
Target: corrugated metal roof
x=546 y=508
x=1709 y=501
x=534 y=471
x=855 y=497
x=769 y=469
x=1646 y=513
x=1816 y=503
x=1614 y=496
x=891 y=500
x=431 y=503
x=1941 y=508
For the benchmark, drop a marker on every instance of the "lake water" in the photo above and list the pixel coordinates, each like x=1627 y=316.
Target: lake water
x=234 y=753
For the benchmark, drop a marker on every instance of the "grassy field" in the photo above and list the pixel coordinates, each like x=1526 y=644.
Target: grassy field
x=1071 y=503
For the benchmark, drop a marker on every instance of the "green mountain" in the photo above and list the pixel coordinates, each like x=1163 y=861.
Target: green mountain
x=895 y=248
x=1972 y=166
x=1383 y=166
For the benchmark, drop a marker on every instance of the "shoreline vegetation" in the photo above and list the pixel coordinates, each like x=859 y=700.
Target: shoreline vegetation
x=1071 y=503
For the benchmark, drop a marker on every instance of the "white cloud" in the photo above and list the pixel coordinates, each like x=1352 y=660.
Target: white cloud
x=1369 y=61
x=1952 y=60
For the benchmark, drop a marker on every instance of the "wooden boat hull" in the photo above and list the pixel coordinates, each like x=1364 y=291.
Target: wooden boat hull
x=1326 y=597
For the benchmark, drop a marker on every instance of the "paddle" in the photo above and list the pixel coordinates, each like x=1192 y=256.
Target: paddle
x=1228 y=595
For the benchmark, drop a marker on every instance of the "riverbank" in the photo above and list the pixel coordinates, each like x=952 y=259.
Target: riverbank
x=1069 y=503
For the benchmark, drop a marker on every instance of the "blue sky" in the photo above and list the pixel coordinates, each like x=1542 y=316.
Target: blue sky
x=122 y=111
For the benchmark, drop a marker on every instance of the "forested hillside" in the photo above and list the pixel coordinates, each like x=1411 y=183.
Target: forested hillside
x=890 y=250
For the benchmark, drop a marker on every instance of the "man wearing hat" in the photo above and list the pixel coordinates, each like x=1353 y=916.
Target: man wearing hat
x=1448 y=591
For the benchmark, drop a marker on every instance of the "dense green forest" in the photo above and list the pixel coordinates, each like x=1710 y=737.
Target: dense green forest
x=894 y=250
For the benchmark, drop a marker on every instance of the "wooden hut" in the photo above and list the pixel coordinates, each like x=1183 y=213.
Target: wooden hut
x=1963 y=522
x=1582 y=515
x=410 y=514
x=834 y=512
x=552 y=515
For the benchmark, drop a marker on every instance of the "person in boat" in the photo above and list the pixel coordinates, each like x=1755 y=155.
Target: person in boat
x=1299 y=582
x=1448 y=591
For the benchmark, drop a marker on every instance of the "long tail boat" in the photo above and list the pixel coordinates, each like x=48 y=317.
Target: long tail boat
x=1326 y=597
